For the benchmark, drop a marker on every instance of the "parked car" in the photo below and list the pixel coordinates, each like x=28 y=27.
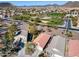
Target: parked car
x=17 y=32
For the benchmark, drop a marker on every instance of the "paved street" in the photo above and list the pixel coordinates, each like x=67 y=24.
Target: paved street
x=23 y=28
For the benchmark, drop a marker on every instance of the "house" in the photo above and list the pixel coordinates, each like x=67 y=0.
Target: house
x=73 y=12
x=73 y=48
x=17 y=38
x=42 y=39
x=41 y=42
x=56 y=47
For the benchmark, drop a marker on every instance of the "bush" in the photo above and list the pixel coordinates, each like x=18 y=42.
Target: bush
x=21 y=17
x=69 y=34
x=74 y=20
x=30 y=48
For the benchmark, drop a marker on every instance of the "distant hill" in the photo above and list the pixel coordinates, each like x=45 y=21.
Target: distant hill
x=41 y=5
x=6 y=4
x=55 y=5
x=68 y=4
x=72 y=4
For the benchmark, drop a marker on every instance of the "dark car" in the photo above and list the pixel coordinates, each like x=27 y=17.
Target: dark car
x=17 y=32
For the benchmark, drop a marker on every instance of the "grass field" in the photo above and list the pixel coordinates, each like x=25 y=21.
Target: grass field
x=57 y=19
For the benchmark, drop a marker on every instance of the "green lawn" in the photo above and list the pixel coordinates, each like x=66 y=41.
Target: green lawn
x=55 y=22
x=57 y=19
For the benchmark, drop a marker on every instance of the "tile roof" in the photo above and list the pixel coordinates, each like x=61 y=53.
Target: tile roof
x=42 y=39
x=73 y=48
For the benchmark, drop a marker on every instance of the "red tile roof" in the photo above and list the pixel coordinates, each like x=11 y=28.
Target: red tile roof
x=73 y=48
x=42 y=39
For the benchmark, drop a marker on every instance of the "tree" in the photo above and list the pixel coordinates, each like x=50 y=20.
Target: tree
x=25 y=17
x=44 y=54
x=7 y=36
x=33 y=30
x=0 y=22
x=21 y=17
x=17 y=17
x=30 y=48
x=26 y=12
x=74 y=20
x=6 y=41
x=69 y=34
x=11 y=31
x=37 y=20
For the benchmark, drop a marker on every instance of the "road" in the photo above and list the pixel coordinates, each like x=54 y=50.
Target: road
x=23 y=28
x=24 y=32
x=68 y=26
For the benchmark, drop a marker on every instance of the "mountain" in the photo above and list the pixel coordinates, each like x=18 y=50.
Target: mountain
x=55 y=5
x=6 y=4
x=72 y=4
x=68 y=4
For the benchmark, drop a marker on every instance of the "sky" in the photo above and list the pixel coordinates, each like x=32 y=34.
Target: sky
x=32 y=3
